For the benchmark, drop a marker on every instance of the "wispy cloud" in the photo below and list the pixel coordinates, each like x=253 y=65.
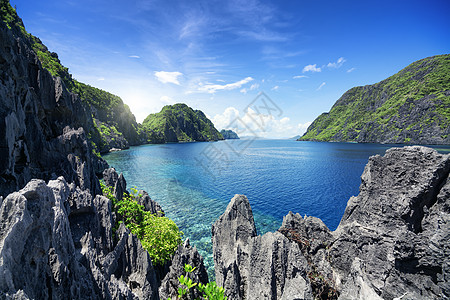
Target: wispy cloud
x=299 y=76
x=337 y=64
x=321 y=86
x=134 y=56
x=311 y=68
x=168 y=77
x=212 y=88
x=251 y=88
x=351 y=70
x=275 y=88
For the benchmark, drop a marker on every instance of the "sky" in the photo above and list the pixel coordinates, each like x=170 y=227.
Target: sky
x=231 y=59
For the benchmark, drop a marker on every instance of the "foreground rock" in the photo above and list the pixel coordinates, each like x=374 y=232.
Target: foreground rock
x=56 y=243
x=393 y=240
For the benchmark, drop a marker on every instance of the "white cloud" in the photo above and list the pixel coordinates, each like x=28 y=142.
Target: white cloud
x=254 y=86
x=312 y=68
x=101 y=79
x=301 y=127
x=259 y=125
x=351 y=70
x=321 y=86
x=299 y=76
x=166 y=100
x=166 y=77
x=134 y=56
x=337 y=64
x=212 y=88
x=275 y=88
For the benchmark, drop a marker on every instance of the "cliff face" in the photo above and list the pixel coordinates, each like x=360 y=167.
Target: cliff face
x=114 y=125
x=180 y=123
x=43 y=125
x=229 y=134
x=393 y=240
x=57 y=239
x=412 y=106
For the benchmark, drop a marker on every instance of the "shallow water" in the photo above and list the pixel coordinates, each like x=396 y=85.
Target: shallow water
x=194 y=182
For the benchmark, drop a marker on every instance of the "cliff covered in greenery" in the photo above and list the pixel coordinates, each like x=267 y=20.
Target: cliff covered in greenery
x=180 y=123
x=113 y=126
x=412 y=106
x=229 y=134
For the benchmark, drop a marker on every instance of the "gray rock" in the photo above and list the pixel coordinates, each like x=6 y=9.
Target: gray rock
x=256 y=267
x=56 y=242
x=149 y=204
x=392 y=242
x=42 y=125
x=185 y=254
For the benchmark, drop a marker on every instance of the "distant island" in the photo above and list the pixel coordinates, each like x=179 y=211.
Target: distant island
x=180 y=123
x=410 y=107
x=229 y=134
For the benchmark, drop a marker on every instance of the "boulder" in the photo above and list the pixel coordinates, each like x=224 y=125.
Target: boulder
x=56 y=242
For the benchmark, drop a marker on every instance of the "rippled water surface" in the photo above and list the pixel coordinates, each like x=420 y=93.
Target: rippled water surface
x=194 y=182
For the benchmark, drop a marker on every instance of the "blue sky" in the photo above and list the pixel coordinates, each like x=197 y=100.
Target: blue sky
x=218 y=55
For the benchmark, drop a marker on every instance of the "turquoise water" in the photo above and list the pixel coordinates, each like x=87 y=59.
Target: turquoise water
x=194 y=182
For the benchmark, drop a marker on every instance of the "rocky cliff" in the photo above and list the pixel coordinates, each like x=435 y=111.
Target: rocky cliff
x=113 y=126
x=180 y=123
x=229 y=134
x=411 y=107
x=59 y=238
x=392 y=242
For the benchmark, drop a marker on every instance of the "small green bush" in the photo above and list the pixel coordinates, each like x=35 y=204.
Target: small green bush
x=210 y=290
x=160 y=236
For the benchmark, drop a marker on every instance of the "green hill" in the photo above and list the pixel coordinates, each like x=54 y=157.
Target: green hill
x=180 y=123
x=412 y=106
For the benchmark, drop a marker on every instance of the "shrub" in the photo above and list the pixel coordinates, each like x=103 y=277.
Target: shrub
x=160 y=236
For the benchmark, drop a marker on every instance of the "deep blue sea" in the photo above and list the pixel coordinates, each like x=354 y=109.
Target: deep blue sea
x=194 y=182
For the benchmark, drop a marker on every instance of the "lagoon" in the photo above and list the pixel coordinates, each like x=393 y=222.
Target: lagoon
x=193 y=182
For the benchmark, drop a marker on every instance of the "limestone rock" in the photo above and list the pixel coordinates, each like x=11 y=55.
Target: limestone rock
x=56 y=242
x=392 y=242
x=43 y=126
x=256 y=267
x=185 y=254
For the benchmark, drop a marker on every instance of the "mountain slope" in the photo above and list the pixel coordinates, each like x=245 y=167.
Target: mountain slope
x=114 y=124
x=412 y=106
x=180 y=123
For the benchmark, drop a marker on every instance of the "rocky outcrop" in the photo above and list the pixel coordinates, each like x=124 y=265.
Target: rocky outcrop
x=393 y=240
x=43 y=126
x=185 y=254
x=256 y=267
x=57 y=243
x=180 y=123
x=229 y=134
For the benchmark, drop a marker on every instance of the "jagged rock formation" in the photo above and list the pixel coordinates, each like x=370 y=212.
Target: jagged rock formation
x=57 y=243
x=185 y=254
x=411 y=107
x=43 y=125
x=393 y=240
x=58 y=240
x=180 y=123
x=229 y=134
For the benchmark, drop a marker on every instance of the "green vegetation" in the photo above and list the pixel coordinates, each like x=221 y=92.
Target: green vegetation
x=160 y=236
x=210 y=291
x=180 y=123
x=107 y=108
x=417 y=96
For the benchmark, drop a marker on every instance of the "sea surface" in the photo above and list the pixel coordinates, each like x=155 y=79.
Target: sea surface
x=194 y=182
